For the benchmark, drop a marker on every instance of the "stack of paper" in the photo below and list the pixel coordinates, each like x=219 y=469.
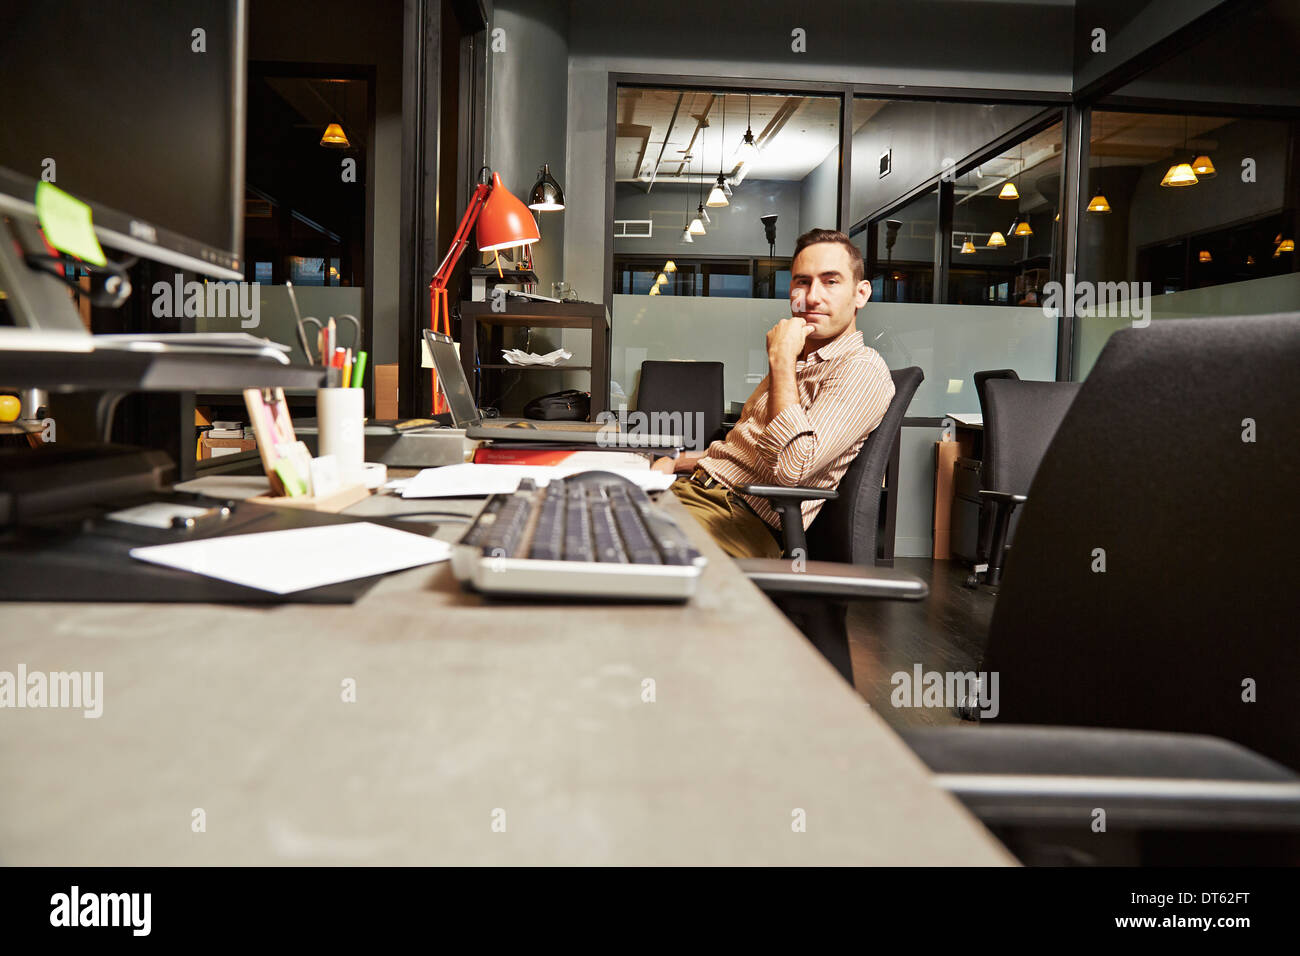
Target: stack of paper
x=472 y=481
x=519 y=357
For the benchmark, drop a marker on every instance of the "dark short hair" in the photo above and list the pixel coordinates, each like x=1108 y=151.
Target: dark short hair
x=814 y=236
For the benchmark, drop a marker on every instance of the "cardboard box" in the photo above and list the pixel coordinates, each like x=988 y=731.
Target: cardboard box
x=386 y=392
x=216 y=447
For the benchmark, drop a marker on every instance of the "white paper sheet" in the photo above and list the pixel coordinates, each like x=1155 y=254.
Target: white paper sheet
x=286 y=561
x=473 y=481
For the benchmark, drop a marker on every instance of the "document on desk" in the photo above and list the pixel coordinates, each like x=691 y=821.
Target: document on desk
x=286 y=561
x=474 y=481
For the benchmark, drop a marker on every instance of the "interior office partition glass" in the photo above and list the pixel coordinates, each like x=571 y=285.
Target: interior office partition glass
x=1195 y=211
x=743 y=175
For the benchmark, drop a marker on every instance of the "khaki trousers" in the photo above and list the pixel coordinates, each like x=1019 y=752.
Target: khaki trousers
x=728 y=520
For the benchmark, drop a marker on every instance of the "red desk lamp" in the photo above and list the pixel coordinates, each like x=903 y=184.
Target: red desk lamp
x=504 y=222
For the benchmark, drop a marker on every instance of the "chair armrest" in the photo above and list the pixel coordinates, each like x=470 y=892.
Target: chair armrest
x=789 y=492
x=832 y=579
x=1055 y=776
x=1003 y=497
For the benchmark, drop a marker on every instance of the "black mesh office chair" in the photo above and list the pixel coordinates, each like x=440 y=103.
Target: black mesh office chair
x=841 y=548
x=1152 y=588
x=985 y=527
x=1020 y=419
x=687 y=389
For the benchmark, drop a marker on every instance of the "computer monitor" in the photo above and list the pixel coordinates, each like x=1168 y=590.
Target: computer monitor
x=137 y=111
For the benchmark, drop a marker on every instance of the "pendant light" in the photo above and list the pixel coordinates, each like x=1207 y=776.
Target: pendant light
x=1098 y=203
x=670 y=266
x=967 y=247
x=546 y=195
x=686 y=229
x=717 y=197
x=334 y=137
x=1009 y=190
x=1203 y=167
x=1284 y=245
x=748 y=151
x=1204 y=256
x=1023 y=229
x=697 y=224
x=661 y=280
x=1180 y=174
x=996 y=241
x=654 y=289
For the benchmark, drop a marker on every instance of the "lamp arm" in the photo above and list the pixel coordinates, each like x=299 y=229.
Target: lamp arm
x=461 y=240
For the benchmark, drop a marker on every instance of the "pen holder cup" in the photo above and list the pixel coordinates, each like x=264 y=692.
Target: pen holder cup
x=341 y=415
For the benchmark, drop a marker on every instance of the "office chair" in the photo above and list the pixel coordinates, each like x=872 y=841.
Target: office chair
x=839 y=552
x=848 y=527
x=1020 y=419
x=687 y=389
x=1147 y=593
x=985 y=527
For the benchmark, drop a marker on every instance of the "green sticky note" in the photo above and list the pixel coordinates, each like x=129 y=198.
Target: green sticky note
x=67 y=225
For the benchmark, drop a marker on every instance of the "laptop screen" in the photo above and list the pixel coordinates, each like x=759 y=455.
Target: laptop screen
x=451 y=379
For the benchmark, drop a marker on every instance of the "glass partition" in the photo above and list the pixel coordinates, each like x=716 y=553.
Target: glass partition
x=1191 y=213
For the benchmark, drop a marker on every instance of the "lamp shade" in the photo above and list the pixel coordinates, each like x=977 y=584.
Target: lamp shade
x=967 y=247
x=654 y=289
x=1023 y=228
x=1179 y=174
x=686 y=235
x=716 y=195
x=696 y=228
x=1009 y=191
x=670 y=266
x=996 y=240
x=748 y=151
x=1286 y=245
x=1204 y=256
x=334 y=137
x=1099 y=204
x=661 y=279
x=546 y=196
x=505 y=222
x=1203 y=167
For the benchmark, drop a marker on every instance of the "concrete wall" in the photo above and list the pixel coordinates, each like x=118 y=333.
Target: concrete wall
x=819 y=206
x=528 y=90
x=337 y=31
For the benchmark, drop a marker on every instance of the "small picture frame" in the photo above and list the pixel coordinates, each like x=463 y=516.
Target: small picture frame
x=886 y=162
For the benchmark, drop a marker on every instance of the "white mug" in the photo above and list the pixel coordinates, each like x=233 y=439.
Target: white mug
x=340 y=414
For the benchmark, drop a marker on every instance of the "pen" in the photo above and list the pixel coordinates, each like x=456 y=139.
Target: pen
x=347 y=368
x=360 y=370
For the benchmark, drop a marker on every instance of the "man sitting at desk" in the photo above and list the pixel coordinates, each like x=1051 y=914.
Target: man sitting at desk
x=824 y=393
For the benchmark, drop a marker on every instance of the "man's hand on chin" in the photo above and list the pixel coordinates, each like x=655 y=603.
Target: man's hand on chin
x=786 y=340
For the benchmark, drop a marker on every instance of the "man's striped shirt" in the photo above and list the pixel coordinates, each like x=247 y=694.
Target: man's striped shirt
x=844 y=390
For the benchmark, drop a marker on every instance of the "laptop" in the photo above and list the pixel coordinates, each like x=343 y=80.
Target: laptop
x=465 y=413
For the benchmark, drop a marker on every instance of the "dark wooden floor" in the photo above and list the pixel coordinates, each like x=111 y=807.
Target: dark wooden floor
x=944 y=632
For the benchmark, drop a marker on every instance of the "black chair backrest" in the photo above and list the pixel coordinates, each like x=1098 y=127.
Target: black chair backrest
x=982 y=377
x=686 y=388
x=845 y=529
x=1178 y=464
x=1020 y=419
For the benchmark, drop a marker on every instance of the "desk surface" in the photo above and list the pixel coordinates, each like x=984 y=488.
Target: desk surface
x=462 y=709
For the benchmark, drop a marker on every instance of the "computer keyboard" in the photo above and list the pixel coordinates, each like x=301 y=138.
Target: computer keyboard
x=593 y=535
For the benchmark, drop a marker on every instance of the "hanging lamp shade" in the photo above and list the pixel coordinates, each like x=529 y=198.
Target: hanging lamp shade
x=1179 y=174
x=697 y=224
x=654 y=289
x=967 y=247
x=1286 y=245
x=1203 y=167
x=1023 y=228
x=505 y=222
x=748 y=151
x=1098 y=204
x=1204 y=256
x=1250 y=260
x=996 y=240
x=661 y=280
x=334 y=137
x=1009 y=191
x=686 y=235
x=670 y=266
x=546 y=195
x=716 y=196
